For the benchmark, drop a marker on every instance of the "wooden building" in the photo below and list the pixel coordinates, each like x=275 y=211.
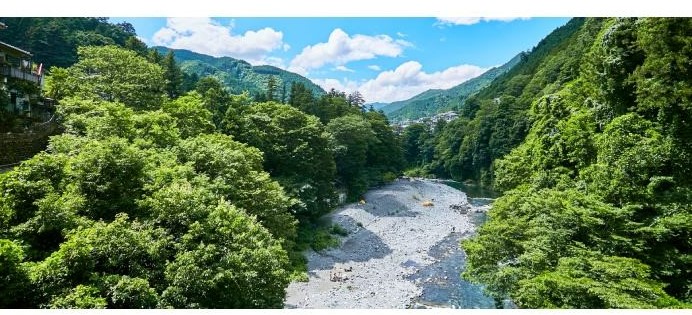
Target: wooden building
x=20 y=80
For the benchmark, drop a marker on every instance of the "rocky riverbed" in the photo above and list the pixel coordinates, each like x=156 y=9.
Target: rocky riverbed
x=401 y=252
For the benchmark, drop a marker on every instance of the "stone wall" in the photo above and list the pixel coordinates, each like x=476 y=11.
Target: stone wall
x=17 y=147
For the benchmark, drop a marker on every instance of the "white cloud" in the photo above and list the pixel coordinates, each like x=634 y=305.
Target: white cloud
x=143 y=40
x=206 y=36
x=473 y=20
x=345 y=85
x=374 y=68
x=404 y=82
x=341 y=48
x=400 y=34
x=343 y=68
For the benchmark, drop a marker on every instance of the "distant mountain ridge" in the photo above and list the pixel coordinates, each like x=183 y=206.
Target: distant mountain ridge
x=436 y=101
x=239 y=75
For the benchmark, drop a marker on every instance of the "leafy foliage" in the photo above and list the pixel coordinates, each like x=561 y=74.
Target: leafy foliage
x=596 y=207
x=111 y=74
x=297 y=151
x=139 y=201
x=497 y=117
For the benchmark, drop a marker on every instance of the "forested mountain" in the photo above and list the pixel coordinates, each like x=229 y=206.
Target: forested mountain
x=432 y=102
x=54 y=41
x=377 y=105
x=495 y=120
x=239 y=76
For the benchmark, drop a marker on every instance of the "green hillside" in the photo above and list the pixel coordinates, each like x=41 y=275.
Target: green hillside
x=587 y=140
x=436 y=101
x=495 y=120
x=238 y=75
x=54 y=41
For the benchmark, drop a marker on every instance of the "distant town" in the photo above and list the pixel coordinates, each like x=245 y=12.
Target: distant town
x=399 y=126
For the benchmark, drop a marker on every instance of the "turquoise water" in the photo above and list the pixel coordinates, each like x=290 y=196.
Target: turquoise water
x=441 y=282
x=471 y=190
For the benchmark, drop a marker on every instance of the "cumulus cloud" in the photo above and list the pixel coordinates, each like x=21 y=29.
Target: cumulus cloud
x=342 y=48
x=404 y=82
x=345 y=85
x=374 y=68
x=206 y=36
x=473 y=20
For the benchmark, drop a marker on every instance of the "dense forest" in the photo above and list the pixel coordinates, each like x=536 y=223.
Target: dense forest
x=170 y=189
x=162 y=192
x=239 y=76
x=588 y=139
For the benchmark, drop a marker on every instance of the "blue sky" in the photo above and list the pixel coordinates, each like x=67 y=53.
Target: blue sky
x=386 y=59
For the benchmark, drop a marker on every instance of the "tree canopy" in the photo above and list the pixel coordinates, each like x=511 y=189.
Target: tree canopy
x=596 y=207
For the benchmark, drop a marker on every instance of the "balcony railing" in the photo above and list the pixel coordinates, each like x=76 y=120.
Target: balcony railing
x=12 y=72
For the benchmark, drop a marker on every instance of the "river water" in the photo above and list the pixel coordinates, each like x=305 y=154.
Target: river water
x=441 y=281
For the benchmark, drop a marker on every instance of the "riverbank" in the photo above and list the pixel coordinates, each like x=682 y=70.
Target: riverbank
x=393 y=240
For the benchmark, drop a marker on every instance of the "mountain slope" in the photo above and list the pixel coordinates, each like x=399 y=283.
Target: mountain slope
x=54 y=41
x=435 y=101
x=239 y=75
x=595 y=212
x=494 y=120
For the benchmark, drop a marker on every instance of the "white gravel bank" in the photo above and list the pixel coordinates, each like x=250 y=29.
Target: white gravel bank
x=389 y=238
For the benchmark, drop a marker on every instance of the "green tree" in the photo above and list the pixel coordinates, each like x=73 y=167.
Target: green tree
x=356 y=99
x=271 y=89
x=384 y=158
x=228 y=261
x=236 y=172
x=53 y=41
x=297 y=152
x=352 y=135
x=191 y=115
x=13 y=274
x=133 y=43
x=414 y=139
x=173 y=76
x=121 y=247
x=301 y=98
x=112 y=74
x=216 y=99
x=82 y=296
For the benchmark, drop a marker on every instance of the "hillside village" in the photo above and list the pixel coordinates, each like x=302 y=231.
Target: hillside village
x=399 y=126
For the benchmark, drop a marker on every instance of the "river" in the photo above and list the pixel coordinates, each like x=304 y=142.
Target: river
x=399 y=253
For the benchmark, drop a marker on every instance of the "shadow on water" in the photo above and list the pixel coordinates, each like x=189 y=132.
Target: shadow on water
x=441 y=281
x=472 y=190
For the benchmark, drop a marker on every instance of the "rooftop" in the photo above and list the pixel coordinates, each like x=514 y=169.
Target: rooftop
x=14 y=50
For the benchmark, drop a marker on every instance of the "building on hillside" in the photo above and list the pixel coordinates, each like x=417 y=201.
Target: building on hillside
x=21 y=83
x=428 y=121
